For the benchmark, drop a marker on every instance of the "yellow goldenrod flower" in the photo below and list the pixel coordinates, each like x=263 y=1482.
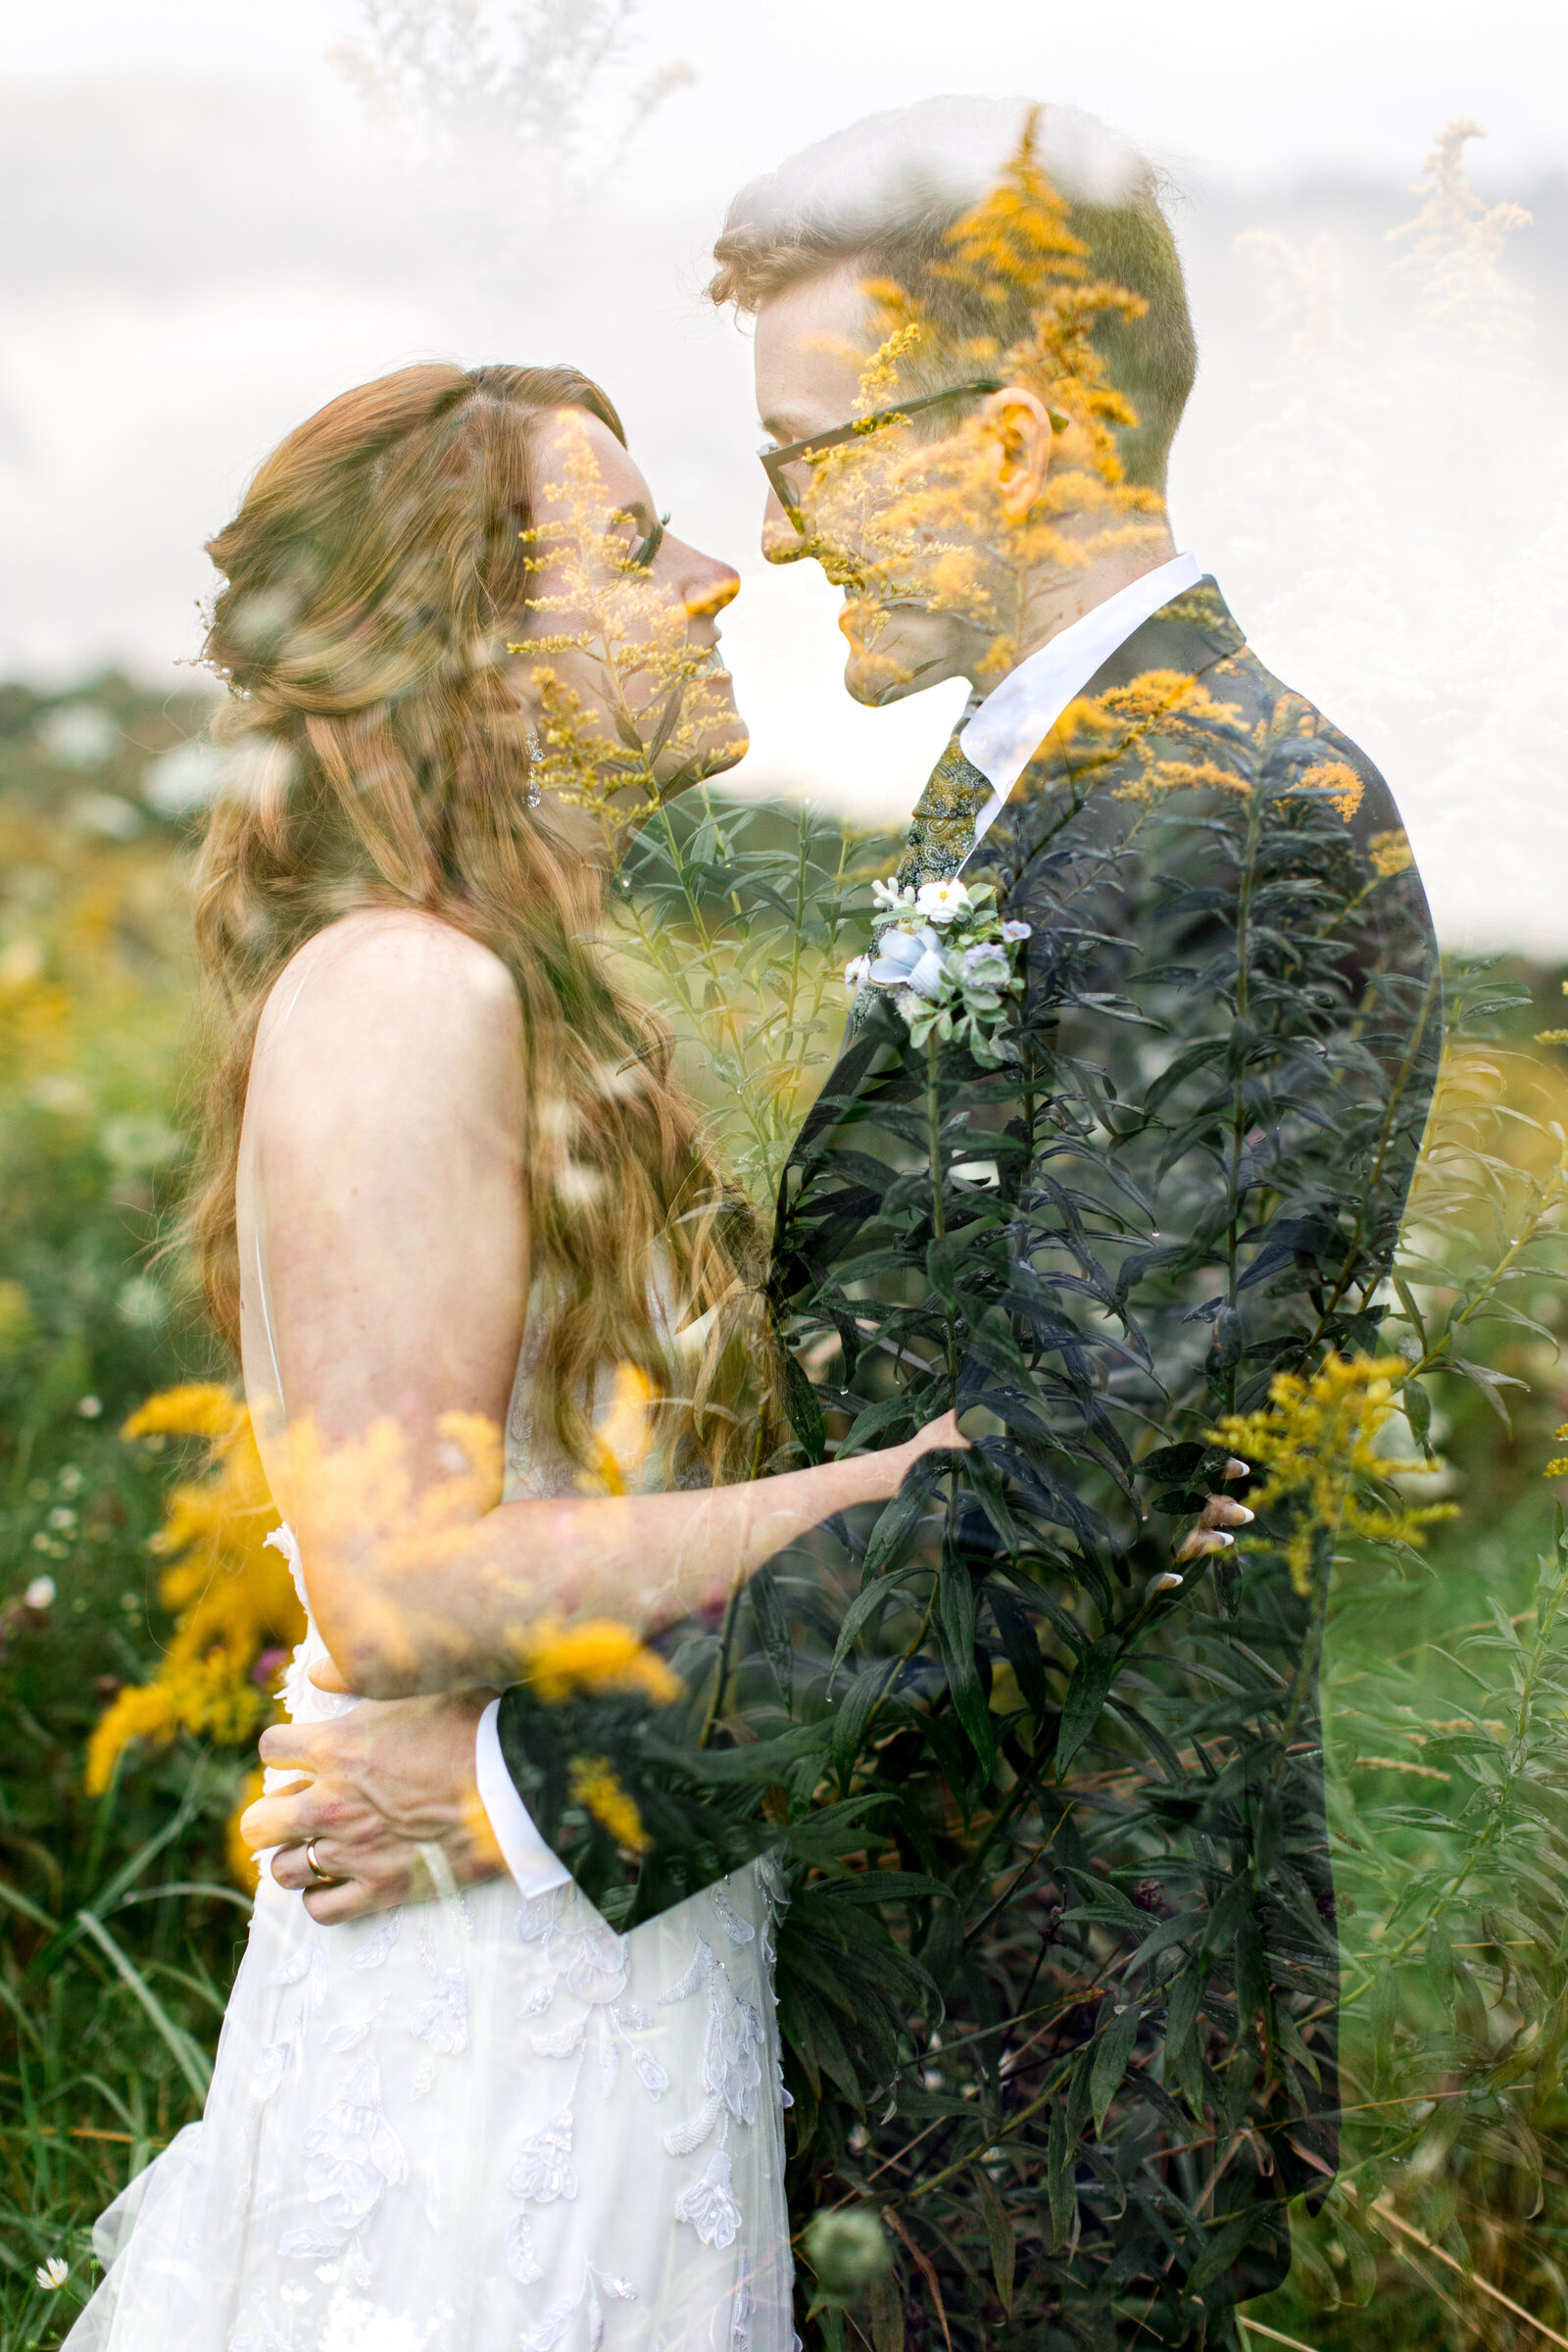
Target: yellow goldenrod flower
x=1315 y=1439
x=201 y=1408
x=1391 y=854
x=1338 y=783
x=594 y=1784
x=560 y=1660
x=231 y=1596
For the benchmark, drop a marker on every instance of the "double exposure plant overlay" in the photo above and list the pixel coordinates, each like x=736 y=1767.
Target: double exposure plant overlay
x=1147 y=1217
x=1100 y=1962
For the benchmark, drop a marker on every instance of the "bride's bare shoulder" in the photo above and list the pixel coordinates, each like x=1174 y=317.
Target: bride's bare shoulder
x=382 y=957
x=389 y=988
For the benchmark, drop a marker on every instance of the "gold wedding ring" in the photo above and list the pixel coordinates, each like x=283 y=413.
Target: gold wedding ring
x=323 y=1878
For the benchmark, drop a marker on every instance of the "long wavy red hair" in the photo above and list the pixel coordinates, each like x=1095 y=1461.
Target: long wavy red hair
x=376 y=757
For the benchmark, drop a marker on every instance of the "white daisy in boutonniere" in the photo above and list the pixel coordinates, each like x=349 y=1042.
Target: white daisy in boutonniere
x=948 y=960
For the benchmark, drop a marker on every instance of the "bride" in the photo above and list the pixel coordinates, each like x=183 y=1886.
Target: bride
x=449 y=1173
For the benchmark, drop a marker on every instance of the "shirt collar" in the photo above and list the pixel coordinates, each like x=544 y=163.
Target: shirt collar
x=1016 y=717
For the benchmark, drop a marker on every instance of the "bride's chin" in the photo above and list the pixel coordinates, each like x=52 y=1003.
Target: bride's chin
x=726 y=749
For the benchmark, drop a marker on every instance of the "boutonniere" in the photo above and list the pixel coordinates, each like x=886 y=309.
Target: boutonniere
x=948 y=960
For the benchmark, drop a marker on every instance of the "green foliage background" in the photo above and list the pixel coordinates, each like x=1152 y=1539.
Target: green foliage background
x=119 y=1929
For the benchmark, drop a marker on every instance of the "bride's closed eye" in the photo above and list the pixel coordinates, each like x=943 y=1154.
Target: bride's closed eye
x=642 y=554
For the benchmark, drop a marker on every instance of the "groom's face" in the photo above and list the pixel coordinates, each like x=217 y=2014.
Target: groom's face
x=891 y=520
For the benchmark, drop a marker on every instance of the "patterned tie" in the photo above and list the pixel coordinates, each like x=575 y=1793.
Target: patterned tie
x=941 y=831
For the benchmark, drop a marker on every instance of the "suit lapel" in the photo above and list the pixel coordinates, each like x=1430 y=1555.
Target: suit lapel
x=1180 y=642
x=1175 y=645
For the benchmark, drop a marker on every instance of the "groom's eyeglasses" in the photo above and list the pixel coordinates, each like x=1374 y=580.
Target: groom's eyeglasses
x=788 y=470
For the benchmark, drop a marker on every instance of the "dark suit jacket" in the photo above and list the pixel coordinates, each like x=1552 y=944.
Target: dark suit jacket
x=1188 y=1184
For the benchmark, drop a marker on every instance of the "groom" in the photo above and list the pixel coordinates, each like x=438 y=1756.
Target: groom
x=1231 y=1010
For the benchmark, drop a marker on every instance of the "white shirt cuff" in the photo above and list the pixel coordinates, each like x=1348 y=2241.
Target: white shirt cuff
x=530 y=1861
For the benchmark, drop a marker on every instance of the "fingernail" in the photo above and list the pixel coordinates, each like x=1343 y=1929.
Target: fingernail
x=1238 y=1469
x=1241 y=1516
x=1219 y=1536
x=1167 y=1582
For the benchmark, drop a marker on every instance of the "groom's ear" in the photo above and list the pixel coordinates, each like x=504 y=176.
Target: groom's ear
x=1021 y=427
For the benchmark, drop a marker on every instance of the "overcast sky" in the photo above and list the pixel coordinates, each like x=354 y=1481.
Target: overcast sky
x=206 y=237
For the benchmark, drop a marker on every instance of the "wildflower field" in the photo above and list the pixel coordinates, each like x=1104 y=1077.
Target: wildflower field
x=142 y=1624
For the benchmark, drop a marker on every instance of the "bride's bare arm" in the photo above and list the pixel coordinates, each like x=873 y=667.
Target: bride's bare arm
x=382 y=1162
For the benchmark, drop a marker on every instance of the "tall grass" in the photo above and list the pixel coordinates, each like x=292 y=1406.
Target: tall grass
x=118 y=1930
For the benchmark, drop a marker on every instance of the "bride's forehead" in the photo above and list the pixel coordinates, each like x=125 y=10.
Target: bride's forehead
x=576 y=457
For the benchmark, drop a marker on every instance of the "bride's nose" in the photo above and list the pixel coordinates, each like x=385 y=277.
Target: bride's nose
x=710 y=589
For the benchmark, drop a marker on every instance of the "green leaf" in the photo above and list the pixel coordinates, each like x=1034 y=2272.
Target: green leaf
x=1110 y=2063
x=955 y=1603
x=902 y=1513
x=1385 y=2007
x=852 y=1712
x=1086 y=1697
x=1182 y=2012
x=883 y=1886
x=866 y=1605
x=1222 y=2249
x=956 y=1609
x=1000 y=2236
x=1061 y=2152
x=888 y=1414
x=1417 y=1406
x=804 y=1413
x=772 y=1624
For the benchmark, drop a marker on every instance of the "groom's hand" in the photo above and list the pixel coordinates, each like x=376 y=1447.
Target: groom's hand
x=376 y=1785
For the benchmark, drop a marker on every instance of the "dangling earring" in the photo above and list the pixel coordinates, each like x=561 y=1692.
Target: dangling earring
x=536 y=752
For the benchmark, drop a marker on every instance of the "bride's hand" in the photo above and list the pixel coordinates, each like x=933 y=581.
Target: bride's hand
x=888 y=1470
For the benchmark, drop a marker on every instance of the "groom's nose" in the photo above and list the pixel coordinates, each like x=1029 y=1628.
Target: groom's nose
x=781 y=541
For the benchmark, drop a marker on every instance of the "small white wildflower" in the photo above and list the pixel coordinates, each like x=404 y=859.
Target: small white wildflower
x=940 y=902
x=89 y=1407
x=41 y=1593
x=1012 y=931
x=54 y=2273
x=891 y=895
x=856 y=972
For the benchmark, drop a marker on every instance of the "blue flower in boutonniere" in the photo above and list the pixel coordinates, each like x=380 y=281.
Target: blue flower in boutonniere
x=949 y=962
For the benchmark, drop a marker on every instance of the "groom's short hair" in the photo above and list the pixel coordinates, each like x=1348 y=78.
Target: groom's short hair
x=884 y=193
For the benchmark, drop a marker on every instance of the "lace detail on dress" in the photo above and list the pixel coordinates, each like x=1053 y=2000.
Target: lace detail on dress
x=351 y=2157
x=473 y=2125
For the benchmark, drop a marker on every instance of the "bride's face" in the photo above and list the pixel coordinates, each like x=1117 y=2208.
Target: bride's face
x=618 y=660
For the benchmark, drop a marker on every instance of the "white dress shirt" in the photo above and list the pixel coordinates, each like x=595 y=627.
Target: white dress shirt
x=1016 y=717
x=525 y=1855
x=999 y=740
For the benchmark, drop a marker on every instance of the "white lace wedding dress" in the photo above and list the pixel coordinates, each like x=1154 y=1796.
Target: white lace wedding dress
x=475 y=2125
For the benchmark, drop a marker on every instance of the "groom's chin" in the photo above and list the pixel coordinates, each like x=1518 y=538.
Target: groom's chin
x=873 y=681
